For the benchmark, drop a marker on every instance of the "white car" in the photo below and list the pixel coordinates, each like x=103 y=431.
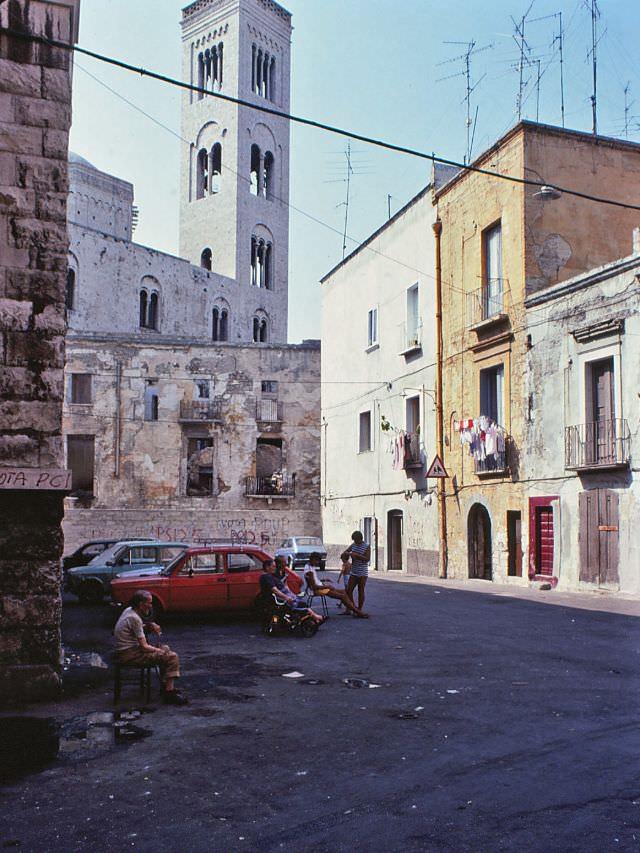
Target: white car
x=296 y=550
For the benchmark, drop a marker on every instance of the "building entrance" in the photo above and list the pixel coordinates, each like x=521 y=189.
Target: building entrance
x=479 y=543
x=394 y=540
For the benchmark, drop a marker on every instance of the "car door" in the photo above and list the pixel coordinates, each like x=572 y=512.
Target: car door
x=243 y=574
x=199 y=583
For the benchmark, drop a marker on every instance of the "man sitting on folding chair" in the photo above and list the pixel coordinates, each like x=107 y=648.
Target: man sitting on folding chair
x=324 y=587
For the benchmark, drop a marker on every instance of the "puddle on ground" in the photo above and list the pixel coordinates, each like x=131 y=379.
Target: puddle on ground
x=31 y=744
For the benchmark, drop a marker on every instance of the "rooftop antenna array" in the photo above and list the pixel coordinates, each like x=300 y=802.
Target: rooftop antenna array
x=525 y=52
x=355 y=165
x=466 y=73
x=627 y=107
x=559 y=39
x=592 y=5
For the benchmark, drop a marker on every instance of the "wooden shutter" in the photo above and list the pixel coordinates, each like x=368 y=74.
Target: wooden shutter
x=588 y=537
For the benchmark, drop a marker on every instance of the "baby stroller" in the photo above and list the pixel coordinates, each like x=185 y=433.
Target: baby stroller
x=279 y=616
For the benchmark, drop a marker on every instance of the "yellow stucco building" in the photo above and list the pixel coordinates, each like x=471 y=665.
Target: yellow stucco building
x=500 y=242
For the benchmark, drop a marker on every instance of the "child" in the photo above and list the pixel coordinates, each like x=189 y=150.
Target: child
x=345 y=571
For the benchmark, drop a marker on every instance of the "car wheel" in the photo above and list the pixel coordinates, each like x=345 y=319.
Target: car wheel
x=91 y=592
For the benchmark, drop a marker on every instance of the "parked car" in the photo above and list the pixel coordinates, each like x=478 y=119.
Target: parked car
x=91 y=582
x=216 y=577
x=296 y=550
x=87 y=551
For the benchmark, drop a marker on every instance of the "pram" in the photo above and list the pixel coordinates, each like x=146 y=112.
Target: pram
x=280 y=616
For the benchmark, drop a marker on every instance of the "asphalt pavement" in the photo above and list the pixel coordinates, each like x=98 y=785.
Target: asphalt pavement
x=455 y=720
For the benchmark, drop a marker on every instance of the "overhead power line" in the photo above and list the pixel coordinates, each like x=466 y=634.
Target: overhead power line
x=380 y=143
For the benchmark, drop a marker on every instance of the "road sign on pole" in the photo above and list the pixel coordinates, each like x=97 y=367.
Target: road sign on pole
x=437 y=469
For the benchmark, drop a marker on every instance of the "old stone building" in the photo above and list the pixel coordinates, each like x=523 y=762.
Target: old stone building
x=504 y=243
x=581 y=429
x=186 y=412
x=35 y=113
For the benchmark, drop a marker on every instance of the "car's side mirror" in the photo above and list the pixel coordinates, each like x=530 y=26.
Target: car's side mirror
x=110 y=563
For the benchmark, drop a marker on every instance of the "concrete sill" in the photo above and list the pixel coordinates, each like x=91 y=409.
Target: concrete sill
x=494 y=320
x=595 y=467
x=413 y=348
x=372 y=348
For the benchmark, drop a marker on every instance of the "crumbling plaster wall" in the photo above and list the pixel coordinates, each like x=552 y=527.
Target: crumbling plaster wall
x=143 y=492
x=35 y=113
x=556 y=401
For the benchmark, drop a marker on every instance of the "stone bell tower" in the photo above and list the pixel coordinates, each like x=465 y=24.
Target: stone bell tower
x=234 y=215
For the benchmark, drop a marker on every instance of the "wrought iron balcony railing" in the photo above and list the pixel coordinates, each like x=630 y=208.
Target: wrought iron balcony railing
x=602 y=444
x=496 y=456
x=486 y=303
x=269 y=411
x=199 y=411
x=412 y=455
x=276 y=485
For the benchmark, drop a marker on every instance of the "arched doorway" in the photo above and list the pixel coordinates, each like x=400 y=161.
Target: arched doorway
x=394 y=540
x=479 y=542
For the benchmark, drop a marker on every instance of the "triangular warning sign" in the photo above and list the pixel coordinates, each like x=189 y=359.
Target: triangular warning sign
x=437 y=469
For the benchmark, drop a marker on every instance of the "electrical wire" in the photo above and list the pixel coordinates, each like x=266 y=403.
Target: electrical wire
x=400 y=149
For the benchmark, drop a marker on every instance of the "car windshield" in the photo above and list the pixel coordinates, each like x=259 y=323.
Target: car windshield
x=308 y=540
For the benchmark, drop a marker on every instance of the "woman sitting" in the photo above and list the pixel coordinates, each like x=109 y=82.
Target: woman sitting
x=324 y=587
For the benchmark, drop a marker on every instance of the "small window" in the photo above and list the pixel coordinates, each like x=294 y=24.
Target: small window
x=372 y=327
x=206 y=259
x=70 y=295
x=492 y=294
x=269 y=386
x=200 y=467
x=202 y=389
x=151 y=401
x=364 y=432
x=81 y=388
x=492 y=393
x=413 y=317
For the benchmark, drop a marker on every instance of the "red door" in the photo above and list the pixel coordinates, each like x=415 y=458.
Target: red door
x=200 y=584
x=541 y=537
x=544 y=540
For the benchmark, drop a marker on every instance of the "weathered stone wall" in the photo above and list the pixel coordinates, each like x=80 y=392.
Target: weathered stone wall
x=141 y=485
x=35 y=110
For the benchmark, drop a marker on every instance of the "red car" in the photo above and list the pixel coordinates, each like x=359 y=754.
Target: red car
x=217 y=577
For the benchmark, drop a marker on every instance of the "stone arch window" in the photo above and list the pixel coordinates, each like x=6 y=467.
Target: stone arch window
x=260 y=330
x=200 y=76
x=70 y=292
x=254 y=178
x=220 y=326
x=202 y=173
x=215 y=168
x=267 y=175
x=272 y=79
x=206 y=259
x=261 y=262
x=149 y=307
x=263 y=73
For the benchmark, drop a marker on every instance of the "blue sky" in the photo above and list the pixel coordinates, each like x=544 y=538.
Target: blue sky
x=372 y=67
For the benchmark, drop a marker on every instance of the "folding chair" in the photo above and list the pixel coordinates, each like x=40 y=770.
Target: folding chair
x=310 y=595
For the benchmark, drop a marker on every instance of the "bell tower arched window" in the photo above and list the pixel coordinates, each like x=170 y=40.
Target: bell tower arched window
x=216 y=167
x=260 y=330
x=149 y=307
x=263 y=73
x=202 y=173
x=206 y=259
x=254 y=178
x=144 y=300
x=261 y=263
x=267 y=176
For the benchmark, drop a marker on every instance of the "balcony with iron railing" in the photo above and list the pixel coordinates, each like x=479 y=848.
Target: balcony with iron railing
x=269 y=411
x=494 y=463
x=412 y=453
x=274 y=486
x=410 y=337
x=486 y=305
x=200 y=411
x=599 y=445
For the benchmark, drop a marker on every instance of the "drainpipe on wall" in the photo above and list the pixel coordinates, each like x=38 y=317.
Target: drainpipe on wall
x=442 y=506
x=116 y=443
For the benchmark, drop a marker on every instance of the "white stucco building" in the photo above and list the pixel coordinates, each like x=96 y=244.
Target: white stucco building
x=378 y=394
x=582 y=425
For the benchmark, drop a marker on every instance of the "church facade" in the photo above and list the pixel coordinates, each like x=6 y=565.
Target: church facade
x=187 y=414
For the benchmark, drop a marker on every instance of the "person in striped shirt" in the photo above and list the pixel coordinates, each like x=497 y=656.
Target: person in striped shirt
x=360 y=554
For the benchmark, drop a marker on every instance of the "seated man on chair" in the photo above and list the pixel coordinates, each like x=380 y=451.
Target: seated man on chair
x=270 y=583
x=323 y=586
x=132 y=648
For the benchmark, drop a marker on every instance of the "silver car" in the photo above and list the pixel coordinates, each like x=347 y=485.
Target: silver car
x=296 y=550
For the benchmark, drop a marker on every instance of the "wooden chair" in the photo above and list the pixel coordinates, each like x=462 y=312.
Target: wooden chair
x=142 y=676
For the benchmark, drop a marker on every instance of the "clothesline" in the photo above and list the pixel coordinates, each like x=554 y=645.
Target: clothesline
x=484 y=437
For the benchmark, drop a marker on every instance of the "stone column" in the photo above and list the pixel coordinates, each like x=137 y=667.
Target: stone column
x=35 y=114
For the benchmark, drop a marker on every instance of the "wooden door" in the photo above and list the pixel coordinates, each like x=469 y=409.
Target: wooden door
x=479 y=543
x=394 y=540
x=598 y=537
x=544 y=540
x=600 y=412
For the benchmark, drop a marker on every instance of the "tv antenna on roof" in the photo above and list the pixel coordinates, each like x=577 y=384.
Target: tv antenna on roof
x=466 y=73
x=595 y=14
x=524 y=56
x=558 y=37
